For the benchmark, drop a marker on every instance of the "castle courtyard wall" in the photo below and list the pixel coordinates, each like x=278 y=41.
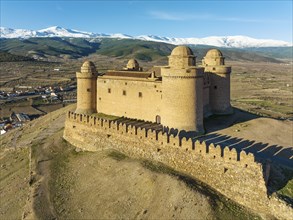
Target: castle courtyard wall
x=138 y=99
x=236 y=175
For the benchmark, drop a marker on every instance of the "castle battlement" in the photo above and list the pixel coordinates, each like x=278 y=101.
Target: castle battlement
x=217 y=153
x=237 y=175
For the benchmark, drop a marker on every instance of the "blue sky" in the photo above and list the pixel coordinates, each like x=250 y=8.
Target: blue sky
x=258 y=19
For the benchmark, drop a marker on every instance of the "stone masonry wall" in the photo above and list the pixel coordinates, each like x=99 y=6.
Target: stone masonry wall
x=236 y=175
x=111 y=101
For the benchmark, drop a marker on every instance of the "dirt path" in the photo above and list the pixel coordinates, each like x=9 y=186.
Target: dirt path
x=32 y=145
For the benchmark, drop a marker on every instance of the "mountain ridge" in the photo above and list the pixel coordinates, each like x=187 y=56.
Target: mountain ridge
x=72 y=48
x=238 y=41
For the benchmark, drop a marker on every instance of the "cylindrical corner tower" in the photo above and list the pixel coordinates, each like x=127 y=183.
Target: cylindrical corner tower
x=182 y=88
x=86 y=89
x=219 y=73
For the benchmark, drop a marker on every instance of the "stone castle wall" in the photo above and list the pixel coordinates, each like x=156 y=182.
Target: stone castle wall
x=219 y=92
x=236 y=175
x=138 y=99
x=182 y=103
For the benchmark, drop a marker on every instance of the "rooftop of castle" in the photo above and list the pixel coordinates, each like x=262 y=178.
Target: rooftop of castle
x=88 y=67
x=88 y=63
x=132 y=65
x=182 y=51
x=133 y=74
x=214 y=53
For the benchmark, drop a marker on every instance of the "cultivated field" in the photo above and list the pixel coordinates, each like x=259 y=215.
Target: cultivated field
x=264 y=88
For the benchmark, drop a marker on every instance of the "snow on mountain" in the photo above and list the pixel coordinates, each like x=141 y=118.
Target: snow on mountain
x=224 y=41
x=16 y=33
x=57 y=31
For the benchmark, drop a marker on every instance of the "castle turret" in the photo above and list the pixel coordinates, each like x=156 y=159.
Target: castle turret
x=182 y=98
x=86 y=89
x=219 y=93
x=133 y=65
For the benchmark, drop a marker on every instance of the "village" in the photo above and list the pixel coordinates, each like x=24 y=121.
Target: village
x=34 y=96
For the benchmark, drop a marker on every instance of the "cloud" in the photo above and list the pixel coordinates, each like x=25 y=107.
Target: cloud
x=162 y=15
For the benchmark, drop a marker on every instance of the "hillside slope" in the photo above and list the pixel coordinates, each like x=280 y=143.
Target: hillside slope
x=43 y=177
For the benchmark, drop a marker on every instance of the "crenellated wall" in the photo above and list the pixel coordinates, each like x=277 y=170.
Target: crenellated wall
x=236 y=175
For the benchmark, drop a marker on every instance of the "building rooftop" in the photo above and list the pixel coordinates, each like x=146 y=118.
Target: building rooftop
x=88 y=67
x=214 y=53
x=182 y=51
x=133 y=74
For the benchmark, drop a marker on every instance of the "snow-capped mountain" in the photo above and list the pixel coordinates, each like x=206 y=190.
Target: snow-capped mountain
x=219 y=41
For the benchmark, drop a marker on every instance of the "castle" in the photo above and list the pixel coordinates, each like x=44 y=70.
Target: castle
x=177 y=96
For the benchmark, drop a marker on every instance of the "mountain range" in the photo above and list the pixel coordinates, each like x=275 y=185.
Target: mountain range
x=218 y=41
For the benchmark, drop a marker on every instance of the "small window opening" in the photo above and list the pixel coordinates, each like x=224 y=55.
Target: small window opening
x=126 y=84
x=124 y=92
x=88 y=90
x=215 y=87
x=109 y=90
x=100 y=98
x=140 y=94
